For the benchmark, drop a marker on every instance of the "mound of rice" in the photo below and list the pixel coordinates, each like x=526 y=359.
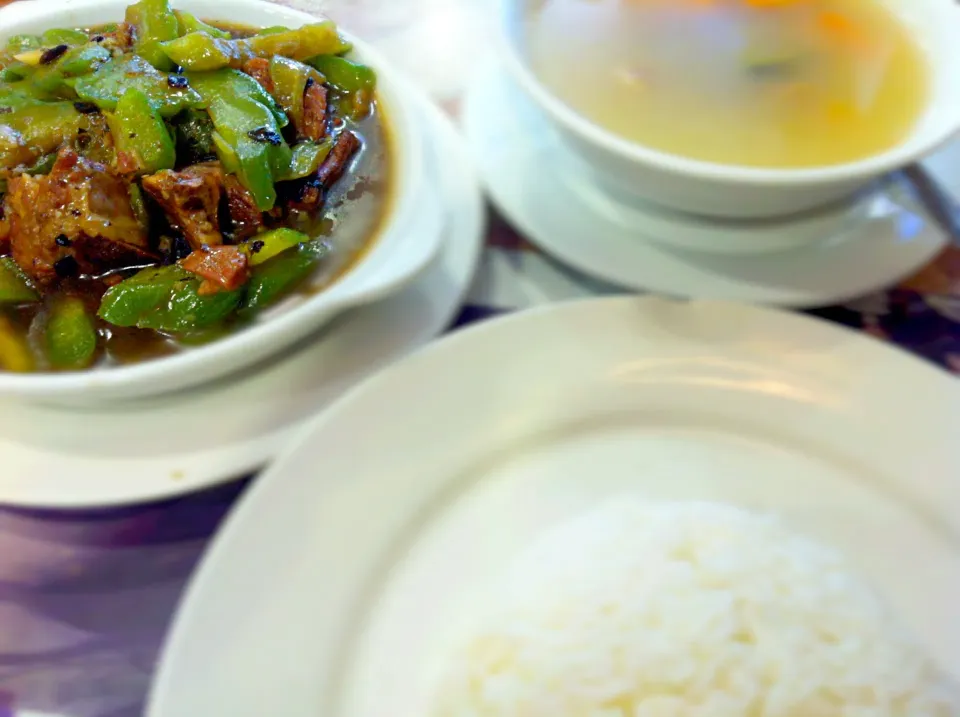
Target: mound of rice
x=689 y=610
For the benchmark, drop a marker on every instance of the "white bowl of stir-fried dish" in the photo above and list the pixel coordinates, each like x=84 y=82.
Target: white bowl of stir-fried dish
x=190 y=187
x=739 y=108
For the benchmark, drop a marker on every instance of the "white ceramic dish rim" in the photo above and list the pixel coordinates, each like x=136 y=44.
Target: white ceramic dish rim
x=353 y=289
x=819 y=373
x=570 y=120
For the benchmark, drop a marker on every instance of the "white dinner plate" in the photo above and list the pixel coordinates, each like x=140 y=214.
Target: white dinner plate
x=336 y=585
x=532 y=178
x=62 y=458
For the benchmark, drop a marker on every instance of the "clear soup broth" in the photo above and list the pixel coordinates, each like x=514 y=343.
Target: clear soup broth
x=762 y=83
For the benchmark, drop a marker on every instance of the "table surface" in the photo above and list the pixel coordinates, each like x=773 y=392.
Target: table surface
x=85 y=598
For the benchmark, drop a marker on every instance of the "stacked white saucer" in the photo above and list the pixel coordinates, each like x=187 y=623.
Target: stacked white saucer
x=652 y=221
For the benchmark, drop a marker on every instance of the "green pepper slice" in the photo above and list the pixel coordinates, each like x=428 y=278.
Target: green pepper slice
x=281 y=275
x=226 y=154
x=166 y=299
x=201 y=51
x=156 y=24
x=15 y=71
x=15 y=354
x=70 y=337
x=345 y=75
x=79 y=60
x=19 y=95
x=15 y=287
x=105 y=86
x=41 y=128
x=224 y=84
x=139 y=131
x=248 y=138
x=48 y=80
x=22 y=43
x=138 y=204
x=83 y=59
x=290 y=83
x=267 y=245
x=320 y=38
x=234 y=120
x=52 y=38
x=307 y=158
x=190 y=23
x=354 y=83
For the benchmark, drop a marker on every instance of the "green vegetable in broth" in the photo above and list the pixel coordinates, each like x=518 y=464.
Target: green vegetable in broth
x=281 y=275
x=275 y=242
x=166 y=299
x=105 y=86
x=34 y=130
x=23 y=43
x=15 y=353
x=189 y=23
x=140 y=133
x=83 y=60
x=344 y=74
x=52 y=38
x=200 y=51
x=155 y=24
x=307 y=158
x=354 y=82
x=15 y=287
x=70 y=338
x=290 y=79
x=248 y=123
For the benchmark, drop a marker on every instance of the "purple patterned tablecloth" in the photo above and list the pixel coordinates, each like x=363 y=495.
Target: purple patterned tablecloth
x=85 y=598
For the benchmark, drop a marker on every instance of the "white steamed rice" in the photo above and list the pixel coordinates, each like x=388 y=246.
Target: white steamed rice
x=689 y=610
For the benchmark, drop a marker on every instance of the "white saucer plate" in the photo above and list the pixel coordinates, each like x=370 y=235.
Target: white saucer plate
x=159 y=448
x=335 y=587
x=866 y=245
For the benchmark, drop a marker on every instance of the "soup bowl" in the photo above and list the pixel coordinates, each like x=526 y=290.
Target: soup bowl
x=408 y=238
x=632 y=173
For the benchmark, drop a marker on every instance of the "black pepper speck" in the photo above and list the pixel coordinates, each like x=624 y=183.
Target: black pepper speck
x=53 y=54
x=63 y=240
x=66 y=267
x=265 y=135
x=180 y=249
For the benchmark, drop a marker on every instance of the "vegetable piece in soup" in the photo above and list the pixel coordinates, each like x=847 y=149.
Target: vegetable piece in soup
x=762 y=83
